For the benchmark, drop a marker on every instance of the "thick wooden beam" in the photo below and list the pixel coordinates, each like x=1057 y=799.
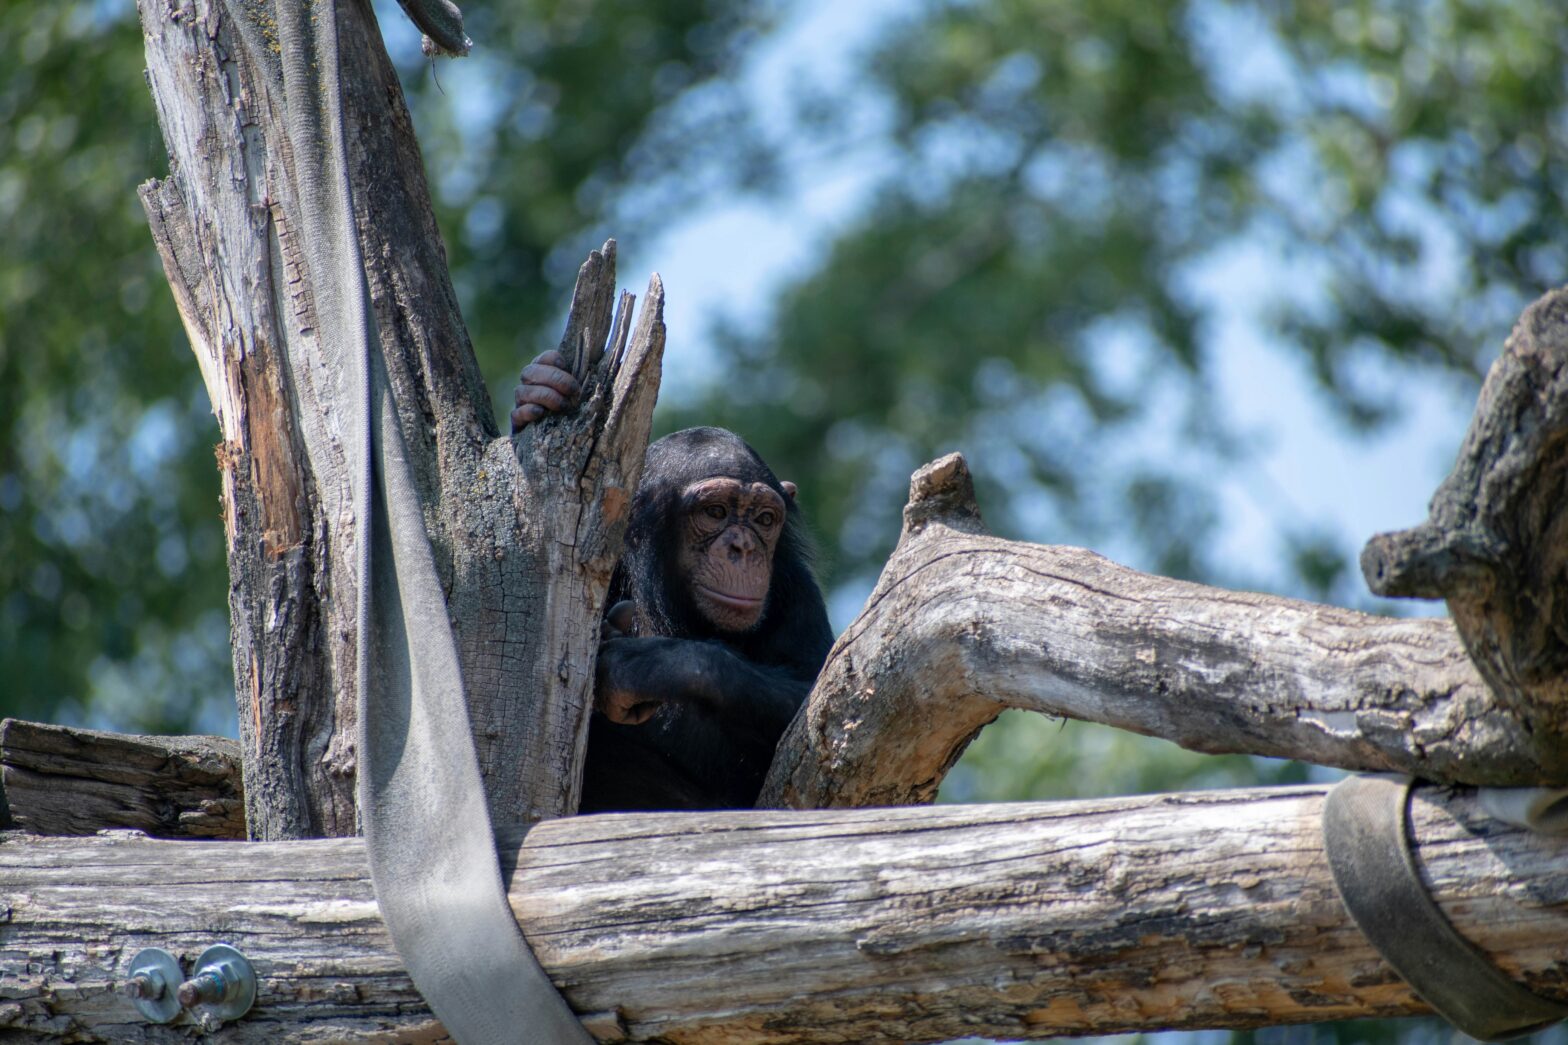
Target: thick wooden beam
x=63 y=781
x=962 y=625
x=1207 y=909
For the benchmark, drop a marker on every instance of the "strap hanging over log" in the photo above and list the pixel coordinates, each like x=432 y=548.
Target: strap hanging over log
x=421 y=798
x=1366 y=835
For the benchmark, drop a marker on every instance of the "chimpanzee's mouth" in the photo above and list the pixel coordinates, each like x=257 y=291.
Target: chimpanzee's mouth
x=734 y=602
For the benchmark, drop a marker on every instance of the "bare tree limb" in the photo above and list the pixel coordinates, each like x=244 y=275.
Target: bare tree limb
x=962 y=625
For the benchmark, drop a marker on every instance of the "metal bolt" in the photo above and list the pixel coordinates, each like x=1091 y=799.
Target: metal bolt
x=209 y=986
x=149 y=986
x=153 y=972
x=224 y=987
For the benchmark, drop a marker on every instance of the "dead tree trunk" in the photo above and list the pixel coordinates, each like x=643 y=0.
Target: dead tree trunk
x=1209 y=909
x=524 y=531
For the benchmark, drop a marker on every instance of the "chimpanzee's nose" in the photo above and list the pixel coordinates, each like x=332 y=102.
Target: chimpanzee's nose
x=740 y=541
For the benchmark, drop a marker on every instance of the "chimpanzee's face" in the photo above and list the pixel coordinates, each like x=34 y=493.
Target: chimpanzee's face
x=729 y=532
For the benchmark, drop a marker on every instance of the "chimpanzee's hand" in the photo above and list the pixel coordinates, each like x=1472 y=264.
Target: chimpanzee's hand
x=620 y=622
x=546 y=386
x=618 y=693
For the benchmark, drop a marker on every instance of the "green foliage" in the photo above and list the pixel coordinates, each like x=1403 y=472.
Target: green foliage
x=1025 y=756
x=571 y=122
x=1027 y=283
x=111 y=554
x=112 y=574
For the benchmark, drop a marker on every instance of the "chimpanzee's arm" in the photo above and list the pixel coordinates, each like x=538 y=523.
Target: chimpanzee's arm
x=741 y=695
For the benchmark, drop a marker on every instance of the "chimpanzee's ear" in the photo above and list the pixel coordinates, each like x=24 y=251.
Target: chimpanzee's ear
x=789 y=488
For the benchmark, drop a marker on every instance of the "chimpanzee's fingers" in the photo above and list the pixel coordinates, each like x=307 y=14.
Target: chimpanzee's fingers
x=549 y=376
x=639 y=713
x=541 y=395
x=623 y=616
x=627 y=709
x=526 y=415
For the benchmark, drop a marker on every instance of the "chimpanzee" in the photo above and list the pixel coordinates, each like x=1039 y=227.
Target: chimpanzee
x=714 y=630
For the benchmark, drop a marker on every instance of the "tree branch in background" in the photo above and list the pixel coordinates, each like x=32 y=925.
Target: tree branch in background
x=962 y=625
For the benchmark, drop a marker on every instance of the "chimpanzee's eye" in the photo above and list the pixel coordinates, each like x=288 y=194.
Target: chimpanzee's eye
x=714 y=511
x=765 y=518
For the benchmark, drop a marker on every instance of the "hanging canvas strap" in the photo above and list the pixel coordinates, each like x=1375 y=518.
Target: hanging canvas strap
x=421 y=798
x=1366 y=833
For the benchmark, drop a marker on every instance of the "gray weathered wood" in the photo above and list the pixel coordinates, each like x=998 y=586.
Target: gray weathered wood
x=962 y=625
x=1207 y=909
x=63 y=781
x=1495 y=544
x=524 y=531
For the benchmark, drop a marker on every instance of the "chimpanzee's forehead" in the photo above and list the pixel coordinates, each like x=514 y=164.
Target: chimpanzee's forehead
x=699 y=453
x=752 y=494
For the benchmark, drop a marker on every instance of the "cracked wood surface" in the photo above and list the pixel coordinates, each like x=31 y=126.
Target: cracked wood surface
x=962 y=625
x=1204 y=909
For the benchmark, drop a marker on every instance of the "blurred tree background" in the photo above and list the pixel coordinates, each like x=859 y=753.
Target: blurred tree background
x=1062 y=210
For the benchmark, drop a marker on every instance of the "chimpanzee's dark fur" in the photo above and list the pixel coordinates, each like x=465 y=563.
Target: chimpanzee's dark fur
x=708 y=746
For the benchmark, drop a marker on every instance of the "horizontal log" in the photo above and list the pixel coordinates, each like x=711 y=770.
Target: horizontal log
x=63 y=781
x=1206 y=909
x=962 y=625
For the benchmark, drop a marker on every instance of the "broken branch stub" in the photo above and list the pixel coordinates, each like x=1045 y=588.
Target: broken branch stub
x=1495 y=543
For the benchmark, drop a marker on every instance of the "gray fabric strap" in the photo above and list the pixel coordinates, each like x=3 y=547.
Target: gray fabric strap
x=1543 y=810
x=1366 y=834
x=421 y=798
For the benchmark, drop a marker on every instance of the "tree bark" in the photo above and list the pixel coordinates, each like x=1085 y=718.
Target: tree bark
x=62 y=781
x=962 y=625
x=1496 y=542
x=1207 y=909
x=525 y=532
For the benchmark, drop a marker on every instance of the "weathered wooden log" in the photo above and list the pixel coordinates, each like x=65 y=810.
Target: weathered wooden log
x=962 y=625
x=63 y=781
x=1495 y=544
x=1206 y=909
